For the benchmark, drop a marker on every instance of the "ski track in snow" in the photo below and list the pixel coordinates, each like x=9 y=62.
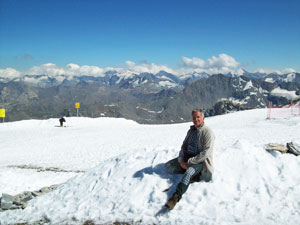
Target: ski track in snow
x=125 y=179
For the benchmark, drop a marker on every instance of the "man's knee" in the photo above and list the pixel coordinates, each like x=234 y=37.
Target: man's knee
x=173 y=167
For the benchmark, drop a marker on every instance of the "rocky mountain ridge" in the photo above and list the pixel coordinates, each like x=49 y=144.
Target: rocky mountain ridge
x=145 y=98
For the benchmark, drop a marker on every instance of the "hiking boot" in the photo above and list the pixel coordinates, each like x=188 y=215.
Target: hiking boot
x=172 y=201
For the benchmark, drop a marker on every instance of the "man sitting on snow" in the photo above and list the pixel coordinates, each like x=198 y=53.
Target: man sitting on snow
x=195 y=160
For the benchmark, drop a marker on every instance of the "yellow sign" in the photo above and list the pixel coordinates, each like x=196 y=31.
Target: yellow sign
x=2 y=113
x=77 y=105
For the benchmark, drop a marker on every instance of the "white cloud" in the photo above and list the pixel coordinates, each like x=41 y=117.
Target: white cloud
x=47 y=69
x=223 y=61
x=130 y=64
x=193 y=62
x=9 y=73
x=268 y=70
x=289 y=70
x=216 y=64
x=71 y=69
x=148 y=68
x=91 y=70
x=73 y=66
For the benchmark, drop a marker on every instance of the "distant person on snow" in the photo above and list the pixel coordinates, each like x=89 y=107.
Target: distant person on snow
x=195 y=160
x=61 y=121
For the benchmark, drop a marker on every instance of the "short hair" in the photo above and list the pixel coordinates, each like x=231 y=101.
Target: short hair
x=198 y=110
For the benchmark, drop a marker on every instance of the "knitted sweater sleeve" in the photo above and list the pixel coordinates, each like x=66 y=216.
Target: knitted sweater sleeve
x=183 y=147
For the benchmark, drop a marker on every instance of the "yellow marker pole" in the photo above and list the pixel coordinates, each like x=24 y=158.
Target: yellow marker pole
x=2 y=114
x=77 y=106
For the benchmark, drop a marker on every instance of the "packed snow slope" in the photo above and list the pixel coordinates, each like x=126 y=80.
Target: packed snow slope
x=124 y=177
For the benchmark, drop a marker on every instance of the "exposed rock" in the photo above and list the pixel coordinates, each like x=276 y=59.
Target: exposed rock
x=43 y=169
x=293 y=148
x=45 y=190
x=7 y=205
x=9 y=202
x=276 y=147
x=7 y=198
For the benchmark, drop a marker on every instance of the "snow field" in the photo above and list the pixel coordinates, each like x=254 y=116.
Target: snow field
x=125 y=179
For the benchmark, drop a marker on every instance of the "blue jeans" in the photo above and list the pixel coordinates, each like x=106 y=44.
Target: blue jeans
x=194 y=171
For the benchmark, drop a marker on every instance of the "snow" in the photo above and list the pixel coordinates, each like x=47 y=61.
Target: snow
x=167 y=84
x=167 y=78
x=284 y=93
x=33 y=80
x=269 y=80
x=124 y=177
x=61 y=78
x=111 y=105
x=290 y=77
x=248 y=85
x=126 y=74
x=149 y=111
x=236 y=101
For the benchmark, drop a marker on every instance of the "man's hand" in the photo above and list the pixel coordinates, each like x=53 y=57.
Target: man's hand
x=184 y=165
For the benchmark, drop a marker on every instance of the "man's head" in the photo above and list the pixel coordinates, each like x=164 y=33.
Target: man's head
x=198 y=117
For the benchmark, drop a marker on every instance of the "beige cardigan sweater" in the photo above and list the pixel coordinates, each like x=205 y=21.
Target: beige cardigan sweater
x=205 y=145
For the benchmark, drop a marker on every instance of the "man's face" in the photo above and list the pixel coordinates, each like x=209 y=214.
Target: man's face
x=198 y=120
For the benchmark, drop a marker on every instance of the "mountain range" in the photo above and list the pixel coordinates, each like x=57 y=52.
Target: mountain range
x=144 y=97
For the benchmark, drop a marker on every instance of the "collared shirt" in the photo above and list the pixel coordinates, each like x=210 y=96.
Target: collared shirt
x=192 y=148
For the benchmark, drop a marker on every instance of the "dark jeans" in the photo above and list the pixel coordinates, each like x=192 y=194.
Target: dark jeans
x=195 y=170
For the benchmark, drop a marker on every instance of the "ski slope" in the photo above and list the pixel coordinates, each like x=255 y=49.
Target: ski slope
x=124 y=177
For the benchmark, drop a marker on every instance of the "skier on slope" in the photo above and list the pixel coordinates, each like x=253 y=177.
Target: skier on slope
x=195 y=160
x=61 y=121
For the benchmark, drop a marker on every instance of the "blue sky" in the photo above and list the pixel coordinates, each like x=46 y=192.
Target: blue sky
x=256 y=34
